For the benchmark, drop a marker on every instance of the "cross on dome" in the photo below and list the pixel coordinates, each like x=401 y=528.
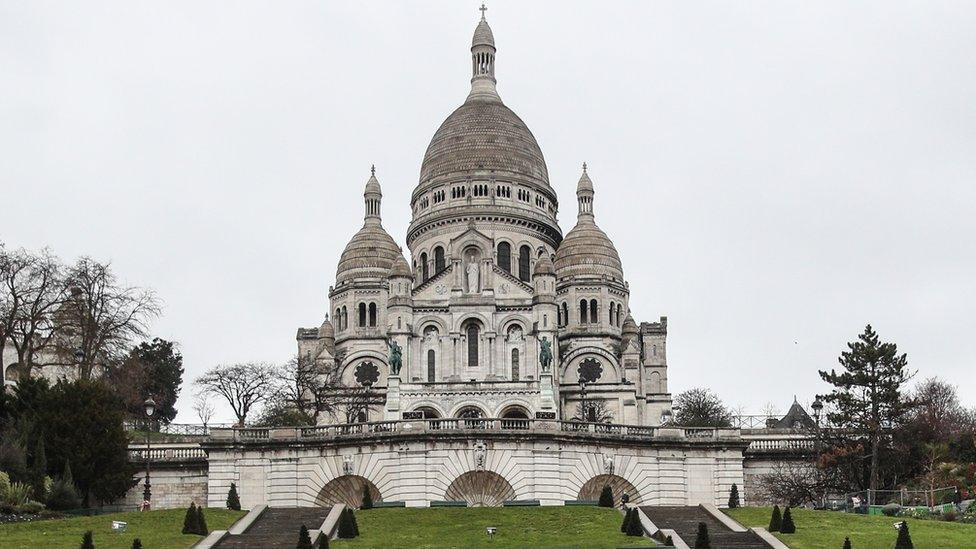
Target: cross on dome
x=483 y=10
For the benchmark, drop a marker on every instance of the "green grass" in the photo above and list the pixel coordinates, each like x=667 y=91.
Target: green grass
x=157 y=529
x=518 y=527
x=827 y=529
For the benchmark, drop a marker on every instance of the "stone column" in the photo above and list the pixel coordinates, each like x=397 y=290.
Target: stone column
x=491 y=356
x=393 y=398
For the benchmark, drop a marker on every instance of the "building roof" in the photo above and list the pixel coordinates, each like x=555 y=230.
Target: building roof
x=371 y=251
x=587 y=251
x=796 y=418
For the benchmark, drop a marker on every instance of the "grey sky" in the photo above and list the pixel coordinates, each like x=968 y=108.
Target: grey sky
x=774 y=174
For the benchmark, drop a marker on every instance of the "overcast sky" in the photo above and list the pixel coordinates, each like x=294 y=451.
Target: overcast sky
x=775 y=175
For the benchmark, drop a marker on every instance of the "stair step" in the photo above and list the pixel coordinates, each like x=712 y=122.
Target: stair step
x=685 y=520
x=277 y=528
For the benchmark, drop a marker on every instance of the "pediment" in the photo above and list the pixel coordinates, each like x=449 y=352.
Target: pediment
x=437 y=288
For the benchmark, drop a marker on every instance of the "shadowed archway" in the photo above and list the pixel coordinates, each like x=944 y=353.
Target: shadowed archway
x=347 y=489
x=619 y=485
x=480 y=489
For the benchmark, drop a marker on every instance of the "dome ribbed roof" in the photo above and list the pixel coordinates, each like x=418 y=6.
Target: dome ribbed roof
x=401 y=268
x=370 y=254
x=484 y=135
x=587 y=251
x=483 y=35
x=544 y=266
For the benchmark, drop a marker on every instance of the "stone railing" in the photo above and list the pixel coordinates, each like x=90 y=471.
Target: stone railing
x=449 y=426
x=166 y=452
x=785 y=445
x=177 y=429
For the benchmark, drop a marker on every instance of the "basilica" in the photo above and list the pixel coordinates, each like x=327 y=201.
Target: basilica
x=496 y=313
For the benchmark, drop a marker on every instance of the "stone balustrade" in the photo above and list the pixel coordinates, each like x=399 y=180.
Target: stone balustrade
x=167 y=453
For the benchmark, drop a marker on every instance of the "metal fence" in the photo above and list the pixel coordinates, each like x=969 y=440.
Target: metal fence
x=861 y=501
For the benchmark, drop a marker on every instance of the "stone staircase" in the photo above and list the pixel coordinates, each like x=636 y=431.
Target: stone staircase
x=276 y=528
x=684 y=521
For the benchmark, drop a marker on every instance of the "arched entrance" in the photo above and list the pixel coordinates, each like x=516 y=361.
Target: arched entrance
x=347 y=489
x=480 y=489
x=618 y=485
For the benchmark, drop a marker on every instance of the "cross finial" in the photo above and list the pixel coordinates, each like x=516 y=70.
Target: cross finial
x=372 y=169
x=483 y=10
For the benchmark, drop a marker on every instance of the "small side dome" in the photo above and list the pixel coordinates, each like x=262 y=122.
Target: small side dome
x=544 y=266
x=482 y=34
x=326 y=330
x=400 y=268
x=629 y=327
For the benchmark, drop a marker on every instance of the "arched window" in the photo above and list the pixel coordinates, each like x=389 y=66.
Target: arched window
x=565 y=314
x=439 y=259
x=619 y=315
x=362 y=315
x=583 y=316
x=612 y=316
x=505 y=256
x=345 y=317
x=372 y=314
x=472 y=333
x=594 y=312
x=431 y=368
x=515 y=364
x=338 y=319
x=424 y=267
x=524 y=253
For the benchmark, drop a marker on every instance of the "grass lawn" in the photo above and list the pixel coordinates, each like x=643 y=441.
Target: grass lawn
x=518 y=527
x=157 y=529
x=827 y=529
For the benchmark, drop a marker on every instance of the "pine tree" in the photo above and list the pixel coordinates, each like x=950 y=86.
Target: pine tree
x=776 y=521
x=201 y=522
x=734 y=497
x=233 y=500
x=304 y=540
x=787 y=527
x=367 y=498
x=702 y=540
x=137 y=543
x=87 y=542
x=190 y=519
x=847 y=543
x=606 y=497
x=904 y=538
x=625 y=525
x=635 y=526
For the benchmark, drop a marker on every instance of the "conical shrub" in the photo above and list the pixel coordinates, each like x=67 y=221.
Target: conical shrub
x=87 y=542
x=775 y=521
x=734 y=497
x=787 y=527
x=304 y=540
x=847 y=543
x=904 y=538
x=201 y=522
x=702 y=541
x=625 y=525
x=346 y=528
x=323 y=541
x=233 y=500
x=137 y=543
x=190 y=519
x=367 y=498
x=635 y=528
x=606 y=497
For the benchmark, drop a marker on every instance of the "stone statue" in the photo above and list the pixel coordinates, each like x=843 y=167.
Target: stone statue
x=545 y=354
x=472 y=272
x=396 y=358
x=608 y=464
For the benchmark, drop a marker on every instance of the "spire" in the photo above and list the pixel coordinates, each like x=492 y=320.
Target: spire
x=373 y=195
x=483 y=62
x=584 y=195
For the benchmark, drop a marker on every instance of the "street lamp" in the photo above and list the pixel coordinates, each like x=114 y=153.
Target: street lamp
x=150 y=407
x=583 y=411
x=817 y=408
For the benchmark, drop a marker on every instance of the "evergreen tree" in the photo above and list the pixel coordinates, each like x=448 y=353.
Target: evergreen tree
x=635 y=527
x=776 y=521
x=702 y=540
x=847 y=543
x=87 y=542
x=346 y=529
x=787 y=527
x=367 y=498
x=625 y=525
x=867 y=394
x=904 y=538
x=233 y=500
x=355 y=524
x=201 y=522
x=734 y=497
x=668 y=541
x=606 y=496
x=190 y=519
x=304 y=540
x=323 y=541
x=137 y=543
x=38 y=469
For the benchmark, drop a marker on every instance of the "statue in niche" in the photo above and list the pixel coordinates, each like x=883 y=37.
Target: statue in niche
x=515 y=335
x=472 y=273
x=347 y=465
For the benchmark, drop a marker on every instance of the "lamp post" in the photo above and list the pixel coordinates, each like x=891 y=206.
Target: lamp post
x=666 y=416
x=150 y=407
x=817 y=406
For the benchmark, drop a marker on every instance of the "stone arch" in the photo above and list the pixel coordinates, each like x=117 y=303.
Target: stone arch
x=465 y=318
x=511 y=319
x=429 y=411
x=480 y=489
x=465 y=406
x=514 y=411
x=572 y=359
x=349 y=366
x=347 y=489
x=426 y=321
x=590 y=491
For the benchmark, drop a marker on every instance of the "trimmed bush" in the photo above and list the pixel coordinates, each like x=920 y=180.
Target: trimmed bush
x=734 y=497
x=904 y=538
x=87 y=542
x=891 y=510
x=355 y=524
x=30 y=507
x=304 y=540
x=63 y=495
x=233 y=500
x=202 y=529
x=635 y=528
x=190 y=519
x=137 y=543
x=702 y=541
x=847 y=543
x=347 y=527
x=668 y=541
x=625 y=525
x=775 y=521
x=367 y=498
x=323 y=541
x=787 y=527
x=606 y=497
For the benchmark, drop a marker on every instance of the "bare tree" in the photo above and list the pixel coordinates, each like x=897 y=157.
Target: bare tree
x=793 y=484
x=595 y=411
x=700 y=408
x=307 y=388
x=101 y=317
x=204 y=408
x=32 y=288
x=242 y=385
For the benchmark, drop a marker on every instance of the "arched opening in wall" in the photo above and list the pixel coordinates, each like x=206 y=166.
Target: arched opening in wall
x=473 y=417
x=372 y=315
x=582 y=312
x=594 y=312
x=431 y=366
x=505 y=257
x=524 y=256
x=515 y=412
x=618 y=485
x=428 y=412
x=345 y=317
x=338 y=319
x=565 y=314
x=620 y=315
x=515 y=364
x=439 y=262
x=480 y=489
x=424 y=267
x=362 y=315
x=347 y=489
x=11 y=373
x=612 y=316
x=472 y=332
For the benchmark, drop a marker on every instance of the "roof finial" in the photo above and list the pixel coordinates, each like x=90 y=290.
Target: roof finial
x=483 y=10
x=372 y=169
x=584 y=167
